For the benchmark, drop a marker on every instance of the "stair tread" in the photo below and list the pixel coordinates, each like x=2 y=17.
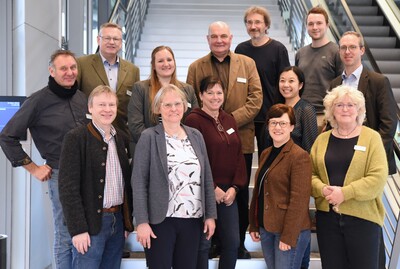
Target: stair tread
x=254 y=255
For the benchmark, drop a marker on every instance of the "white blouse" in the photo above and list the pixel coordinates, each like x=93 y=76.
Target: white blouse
x=184 y=179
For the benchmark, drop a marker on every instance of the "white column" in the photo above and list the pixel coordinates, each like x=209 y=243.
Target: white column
x=36 y=34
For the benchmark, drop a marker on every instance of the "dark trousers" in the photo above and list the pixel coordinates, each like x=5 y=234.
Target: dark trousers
x=176 y=245
x=227 y=231
x=242 y=199
x=347 y=242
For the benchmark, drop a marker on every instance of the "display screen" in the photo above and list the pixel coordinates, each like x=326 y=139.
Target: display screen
x=9 y=105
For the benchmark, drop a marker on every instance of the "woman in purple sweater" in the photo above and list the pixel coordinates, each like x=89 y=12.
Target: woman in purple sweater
x=227 y=165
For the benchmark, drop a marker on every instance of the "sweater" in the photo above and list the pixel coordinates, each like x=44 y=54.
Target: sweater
x=223 y=148
x=364 y=181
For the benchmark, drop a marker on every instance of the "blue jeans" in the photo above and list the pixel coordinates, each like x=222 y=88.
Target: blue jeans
x=277 y=259
x=227 y=231
x=62 y=239
x=105 y=251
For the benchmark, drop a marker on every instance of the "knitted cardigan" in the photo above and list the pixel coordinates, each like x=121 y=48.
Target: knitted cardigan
x=364 y=181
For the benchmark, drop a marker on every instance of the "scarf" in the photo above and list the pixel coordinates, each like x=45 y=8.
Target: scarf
x=60 y=91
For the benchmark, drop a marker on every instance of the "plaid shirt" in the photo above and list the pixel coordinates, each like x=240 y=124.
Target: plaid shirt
x=114 y=187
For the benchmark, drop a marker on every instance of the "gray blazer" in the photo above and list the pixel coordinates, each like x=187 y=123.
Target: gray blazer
x=150 y=176
x=139 y=107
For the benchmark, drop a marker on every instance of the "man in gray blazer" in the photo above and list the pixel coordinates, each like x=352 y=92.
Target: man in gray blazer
x=107 y=68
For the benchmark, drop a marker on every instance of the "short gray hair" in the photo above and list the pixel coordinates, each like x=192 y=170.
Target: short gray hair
x=160 y=96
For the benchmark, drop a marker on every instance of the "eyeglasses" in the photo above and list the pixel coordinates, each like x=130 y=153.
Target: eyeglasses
x=171 y=105
x=256 y=23
x=282 y=124
x=108 y=39
x=349 y=106
x=351 y=48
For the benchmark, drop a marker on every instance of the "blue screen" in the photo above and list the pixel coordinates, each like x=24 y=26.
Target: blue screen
x=9 y=105
x=7 y=110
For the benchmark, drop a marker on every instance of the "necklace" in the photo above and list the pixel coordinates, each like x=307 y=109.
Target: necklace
x=176 y=135
x=347 y=135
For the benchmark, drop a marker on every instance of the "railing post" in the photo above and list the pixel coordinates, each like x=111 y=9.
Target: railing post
x=3 y=251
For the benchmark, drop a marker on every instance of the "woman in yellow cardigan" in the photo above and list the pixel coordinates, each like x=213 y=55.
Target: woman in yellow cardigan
x=349 y=173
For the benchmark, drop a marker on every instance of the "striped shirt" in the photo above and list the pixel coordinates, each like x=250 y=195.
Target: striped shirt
x=111 y=72
x=114 y=187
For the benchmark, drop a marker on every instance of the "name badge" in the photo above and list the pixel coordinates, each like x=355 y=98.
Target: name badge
x=129 y=93
x=360 y=148
x=89 y=116
x=230 y=131
x=189 y=105
x=241 y=80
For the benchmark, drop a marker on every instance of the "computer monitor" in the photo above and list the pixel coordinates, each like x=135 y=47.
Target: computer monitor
x=9 y=105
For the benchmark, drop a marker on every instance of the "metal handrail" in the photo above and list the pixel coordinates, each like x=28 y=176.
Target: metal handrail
x=354 y=24
x=297 y=38
x=133 y=19
x=136 y=14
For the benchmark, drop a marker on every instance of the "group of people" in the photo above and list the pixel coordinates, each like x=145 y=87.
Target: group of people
x=175 y=157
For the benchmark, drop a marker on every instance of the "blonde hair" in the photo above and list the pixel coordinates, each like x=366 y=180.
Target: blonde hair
x=160 y=96
x=99 y=90
x=338 y=93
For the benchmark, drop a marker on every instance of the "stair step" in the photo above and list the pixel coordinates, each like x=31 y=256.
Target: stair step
x=235 y=25
x=394 y=80
x=369 y=20
x=208 y=6
x=380 y=42
x=359 y=2
x=364 y=10
x=231 y=2
x=132 y=245
x=375 y=30
x=386 y=54
x=204 y=10
x=137 y=261
x=183 y=25
x=389 y=66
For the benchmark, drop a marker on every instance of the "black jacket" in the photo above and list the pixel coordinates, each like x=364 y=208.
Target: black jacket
x=82 y=179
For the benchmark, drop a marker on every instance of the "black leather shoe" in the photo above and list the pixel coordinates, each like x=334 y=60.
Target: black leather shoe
x=214 y=252
x=126 y=254
x=243 y=253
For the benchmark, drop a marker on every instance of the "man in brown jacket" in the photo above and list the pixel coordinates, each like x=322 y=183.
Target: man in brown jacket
x=107 y=68
x=243 y=99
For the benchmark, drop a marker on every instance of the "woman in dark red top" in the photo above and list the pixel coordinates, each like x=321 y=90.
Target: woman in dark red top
x=227 y=165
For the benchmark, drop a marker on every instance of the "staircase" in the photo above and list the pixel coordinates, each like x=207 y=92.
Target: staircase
x=137 y=261
x=384 y=45
x=183 y=26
